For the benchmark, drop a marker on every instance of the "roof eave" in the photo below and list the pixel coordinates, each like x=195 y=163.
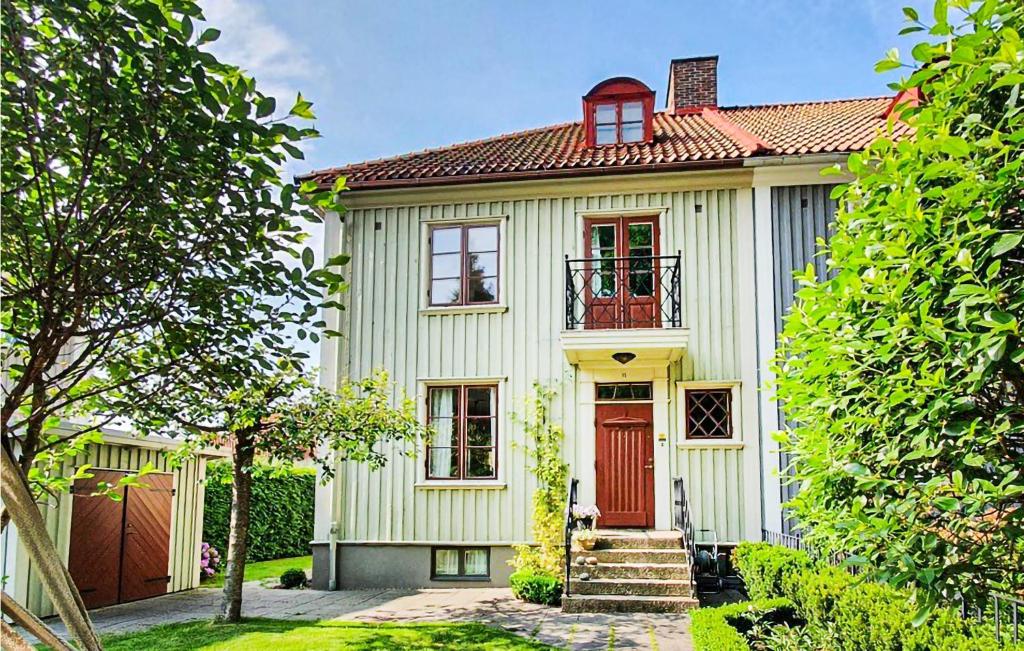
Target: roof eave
x=533 y=175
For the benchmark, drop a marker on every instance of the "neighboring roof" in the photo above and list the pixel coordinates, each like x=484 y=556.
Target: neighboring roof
x=713 y=137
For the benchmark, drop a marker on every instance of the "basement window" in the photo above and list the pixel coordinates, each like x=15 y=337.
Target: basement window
x=460 y=563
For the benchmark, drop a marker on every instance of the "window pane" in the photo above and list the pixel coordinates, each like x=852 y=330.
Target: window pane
x=640 y=235
x=444 y=463
x=444 y=403
x=446 y=240
x=605 y=135
x=480 y=462
x=446 y=562
x=480 y=401
x=483 y=264
x=632 y=112
x=480 y=432
x=604 y=114
x=602 y=240
x=640 y=391
x=483 y=238
x=446 y=265
x=632 y=132
x=476 y=562
x=483 y=290
x=445 y=292
x=708 y=414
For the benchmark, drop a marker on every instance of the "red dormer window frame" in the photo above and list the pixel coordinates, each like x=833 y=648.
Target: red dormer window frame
x=617 y=92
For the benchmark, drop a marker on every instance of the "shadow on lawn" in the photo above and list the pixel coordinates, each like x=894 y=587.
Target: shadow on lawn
x=280 y=635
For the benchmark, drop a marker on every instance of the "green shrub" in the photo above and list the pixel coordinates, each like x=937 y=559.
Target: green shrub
x=841 y=612
x=536 y=588
x=281 y=523
x=293 y=578
x=723 y=628
x=765 y=568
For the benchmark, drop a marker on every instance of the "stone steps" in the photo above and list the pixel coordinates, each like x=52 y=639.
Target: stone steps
x=626 y=604
x=649 y=556
x=636 y=572
x=631 y=587
x=678 y=571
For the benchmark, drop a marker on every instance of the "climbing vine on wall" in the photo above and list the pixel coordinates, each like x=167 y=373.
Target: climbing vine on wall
x=544 y=448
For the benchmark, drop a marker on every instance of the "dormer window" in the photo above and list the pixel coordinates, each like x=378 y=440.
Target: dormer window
x=618 y=122
x=618 y=111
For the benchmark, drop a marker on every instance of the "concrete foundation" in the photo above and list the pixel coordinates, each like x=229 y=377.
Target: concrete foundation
x=397 y=566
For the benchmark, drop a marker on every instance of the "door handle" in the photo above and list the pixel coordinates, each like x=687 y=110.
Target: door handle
x=649 y=466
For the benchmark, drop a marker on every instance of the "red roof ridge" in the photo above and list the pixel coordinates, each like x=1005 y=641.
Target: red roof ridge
x=745 y=139
x=809 y=102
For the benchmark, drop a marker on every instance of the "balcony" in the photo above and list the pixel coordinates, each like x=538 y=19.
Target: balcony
x=625 y=306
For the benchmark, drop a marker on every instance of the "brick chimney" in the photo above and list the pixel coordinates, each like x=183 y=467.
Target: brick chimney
x=692 y=84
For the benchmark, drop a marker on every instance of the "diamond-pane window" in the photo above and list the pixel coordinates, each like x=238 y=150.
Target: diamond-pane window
x=709 y=414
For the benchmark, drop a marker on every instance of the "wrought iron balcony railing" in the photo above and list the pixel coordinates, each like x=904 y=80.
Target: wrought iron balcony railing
x=622 y=292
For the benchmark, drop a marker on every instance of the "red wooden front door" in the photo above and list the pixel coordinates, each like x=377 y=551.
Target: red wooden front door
x=622 y=277
x=625 y=465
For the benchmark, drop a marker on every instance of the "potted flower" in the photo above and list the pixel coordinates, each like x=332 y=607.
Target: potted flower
x=209 y=560
x=585 y=539
x=586 y=516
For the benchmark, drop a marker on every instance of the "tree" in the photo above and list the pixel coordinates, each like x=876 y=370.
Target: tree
x=279 y=418
x=905 y=370
x=145 y=223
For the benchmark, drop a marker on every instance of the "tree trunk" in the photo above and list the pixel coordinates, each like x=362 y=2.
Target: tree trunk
x=34 y=537
x=241 y=503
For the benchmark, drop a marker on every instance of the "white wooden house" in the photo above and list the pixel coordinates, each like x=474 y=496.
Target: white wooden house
x=637 y=260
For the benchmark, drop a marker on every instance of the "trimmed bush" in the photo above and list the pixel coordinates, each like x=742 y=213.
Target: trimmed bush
x=536 y=588
x=764 y=567
x=281 y=523
x=852 y=613
x=293 y=578
x=723 y=628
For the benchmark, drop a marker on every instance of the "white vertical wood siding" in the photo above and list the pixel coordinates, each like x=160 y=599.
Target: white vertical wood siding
x=186 y=520
x=384 y=329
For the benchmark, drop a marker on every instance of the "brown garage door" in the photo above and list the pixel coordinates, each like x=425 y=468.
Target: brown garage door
x=120 y=549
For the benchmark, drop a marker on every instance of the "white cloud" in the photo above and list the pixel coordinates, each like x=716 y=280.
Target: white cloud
x=251 y=41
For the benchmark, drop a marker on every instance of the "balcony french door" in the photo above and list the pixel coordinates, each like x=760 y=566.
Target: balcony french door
x=623 y=273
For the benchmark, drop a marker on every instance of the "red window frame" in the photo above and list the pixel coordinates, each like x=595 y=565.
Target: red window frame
x=644 y=122
x=461 y=446
x=464 y=274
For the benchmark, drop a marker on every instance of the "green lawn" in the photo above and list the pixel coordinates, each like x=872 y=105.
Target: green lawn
x=281 y=635
x=265 y=570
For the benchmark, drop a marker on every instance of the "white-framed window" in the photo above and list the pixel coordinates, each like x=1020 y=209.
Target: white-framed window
x=709 y=413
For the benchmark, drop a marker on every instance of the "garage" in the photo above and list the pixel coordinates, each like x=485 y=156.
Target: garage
x=144 y=544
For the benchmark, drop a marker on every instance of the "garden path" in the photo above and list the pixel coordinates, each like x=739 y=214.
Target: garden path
x=493 y=606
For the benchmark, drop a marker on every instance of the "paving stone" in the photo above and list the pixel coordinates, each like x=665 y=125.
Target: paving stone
x=493 y=606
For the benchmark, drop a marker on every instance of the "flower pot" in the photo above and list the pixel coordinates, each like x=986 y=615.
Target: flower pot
x=586 y=544
x=585 y=523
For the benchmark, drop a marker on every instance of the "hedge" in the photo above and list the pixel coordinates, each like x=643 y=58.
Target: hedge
x=722 y=628
x=848 y=613
x=281 y=524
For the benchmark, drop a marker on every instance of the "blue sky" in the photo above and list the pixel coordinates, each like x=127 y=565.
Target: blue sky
x=389 y=77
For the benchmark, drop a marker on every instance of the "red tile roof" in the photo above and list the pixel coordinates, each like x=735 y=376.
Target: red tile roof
x=714 y=137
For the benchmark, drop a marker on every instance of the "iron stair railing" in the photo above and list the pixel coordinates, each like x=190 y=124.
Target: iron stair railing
x=682 y=521
x=570 y=504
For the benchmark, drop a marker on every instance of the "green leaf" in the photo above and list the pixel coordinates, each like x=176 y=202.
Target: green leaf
x=209 y=35
x=266 y=107
x=307 y=258
x=955 y=146
x=302 y=108
x=1007 y=242
x=946 y=503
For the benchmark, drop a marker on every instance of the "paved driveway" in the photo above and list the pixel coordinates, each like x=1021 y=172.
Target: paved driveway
x=494 y=606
